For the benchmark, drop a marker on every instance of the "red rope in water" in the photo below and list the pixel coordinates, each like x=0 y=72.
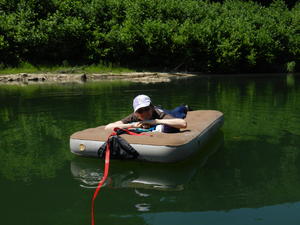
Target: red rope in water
x=101 y=182
x=106 y=168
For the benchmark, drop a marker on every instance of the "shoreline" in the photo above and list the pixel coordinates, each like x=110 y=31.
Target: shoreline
x=46 y=78
x=136 y=77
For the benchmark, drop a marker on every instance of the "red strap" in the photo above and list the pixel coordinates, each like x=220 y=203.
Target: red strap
x=106 y=168
x=129 y=132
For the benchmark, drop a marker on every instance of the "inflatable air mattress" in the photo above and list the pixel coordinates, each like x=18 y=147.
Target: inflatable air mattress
x=156 y=146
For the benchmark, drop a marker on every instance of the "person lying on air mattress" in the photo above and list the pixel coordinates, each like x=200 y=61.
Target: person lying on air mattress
x=148 y=117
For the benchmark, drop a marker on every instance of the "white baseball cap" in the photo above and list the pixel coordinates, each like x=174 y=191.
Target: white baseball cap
x=141 y=101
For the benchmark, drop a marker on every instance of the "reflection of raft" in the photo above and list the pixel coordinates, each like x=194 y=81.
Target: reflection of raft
x=156 y=147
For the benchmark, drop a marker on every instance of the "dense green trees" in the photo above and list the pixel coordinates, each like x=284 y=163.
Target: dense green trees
x=193 y=35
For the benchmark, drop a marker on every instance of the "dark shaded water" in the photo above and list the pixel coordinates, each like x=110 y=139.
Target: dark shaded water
x=251 y=177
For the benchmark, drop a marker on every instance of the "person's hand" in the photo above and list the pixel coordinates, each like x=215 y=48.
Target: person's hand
x=136 y=125
x=145 y=126
x=147 y=123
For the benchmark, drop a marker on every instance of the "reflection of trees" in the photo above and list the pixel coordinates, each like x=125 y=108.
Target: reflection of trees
x=258 y=165
x=261 y=113
x=33 y=145
x=36 y=122
x=249 y=173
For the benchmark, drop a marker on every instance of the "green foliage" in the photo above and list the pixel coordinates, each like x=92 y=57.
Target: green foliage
x=231 y=36
x=290 y=66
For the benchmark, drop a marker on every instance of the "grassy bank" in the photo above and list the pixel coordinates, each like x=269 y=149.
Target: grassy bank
x=94 y=68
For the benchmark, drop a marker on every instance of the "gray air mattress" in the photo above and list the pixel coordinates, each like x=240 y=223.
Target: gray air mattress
x=156 y=146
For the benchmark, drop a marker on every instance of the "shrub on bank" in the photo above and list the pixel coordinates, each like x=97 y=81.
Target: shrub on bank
x=192 y=35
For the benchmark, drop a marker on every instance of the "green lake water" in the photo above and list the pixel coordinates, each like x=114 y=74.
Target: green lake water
x=249 y=173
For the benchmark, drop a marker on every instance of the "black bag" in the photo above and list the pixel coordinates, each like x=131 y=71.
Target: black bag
x=119 y=149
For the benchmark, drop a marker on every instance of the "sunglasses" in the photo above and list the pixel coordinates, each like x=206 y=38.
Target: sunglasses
x=144 y=109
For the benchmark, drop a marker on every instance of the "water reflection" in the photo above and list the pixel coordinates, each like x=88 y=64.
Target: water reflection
x=257 y=167
x=271 y=215
x=290 y=80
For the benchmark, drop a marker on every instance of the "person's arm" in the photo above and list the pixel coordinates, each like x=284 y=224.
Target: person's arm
x=120 y=124
x=126 y=122
x=176 y=122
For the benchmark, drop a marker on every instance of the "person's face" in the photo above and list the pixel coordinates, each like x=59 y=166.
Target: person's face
x=144 y=113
